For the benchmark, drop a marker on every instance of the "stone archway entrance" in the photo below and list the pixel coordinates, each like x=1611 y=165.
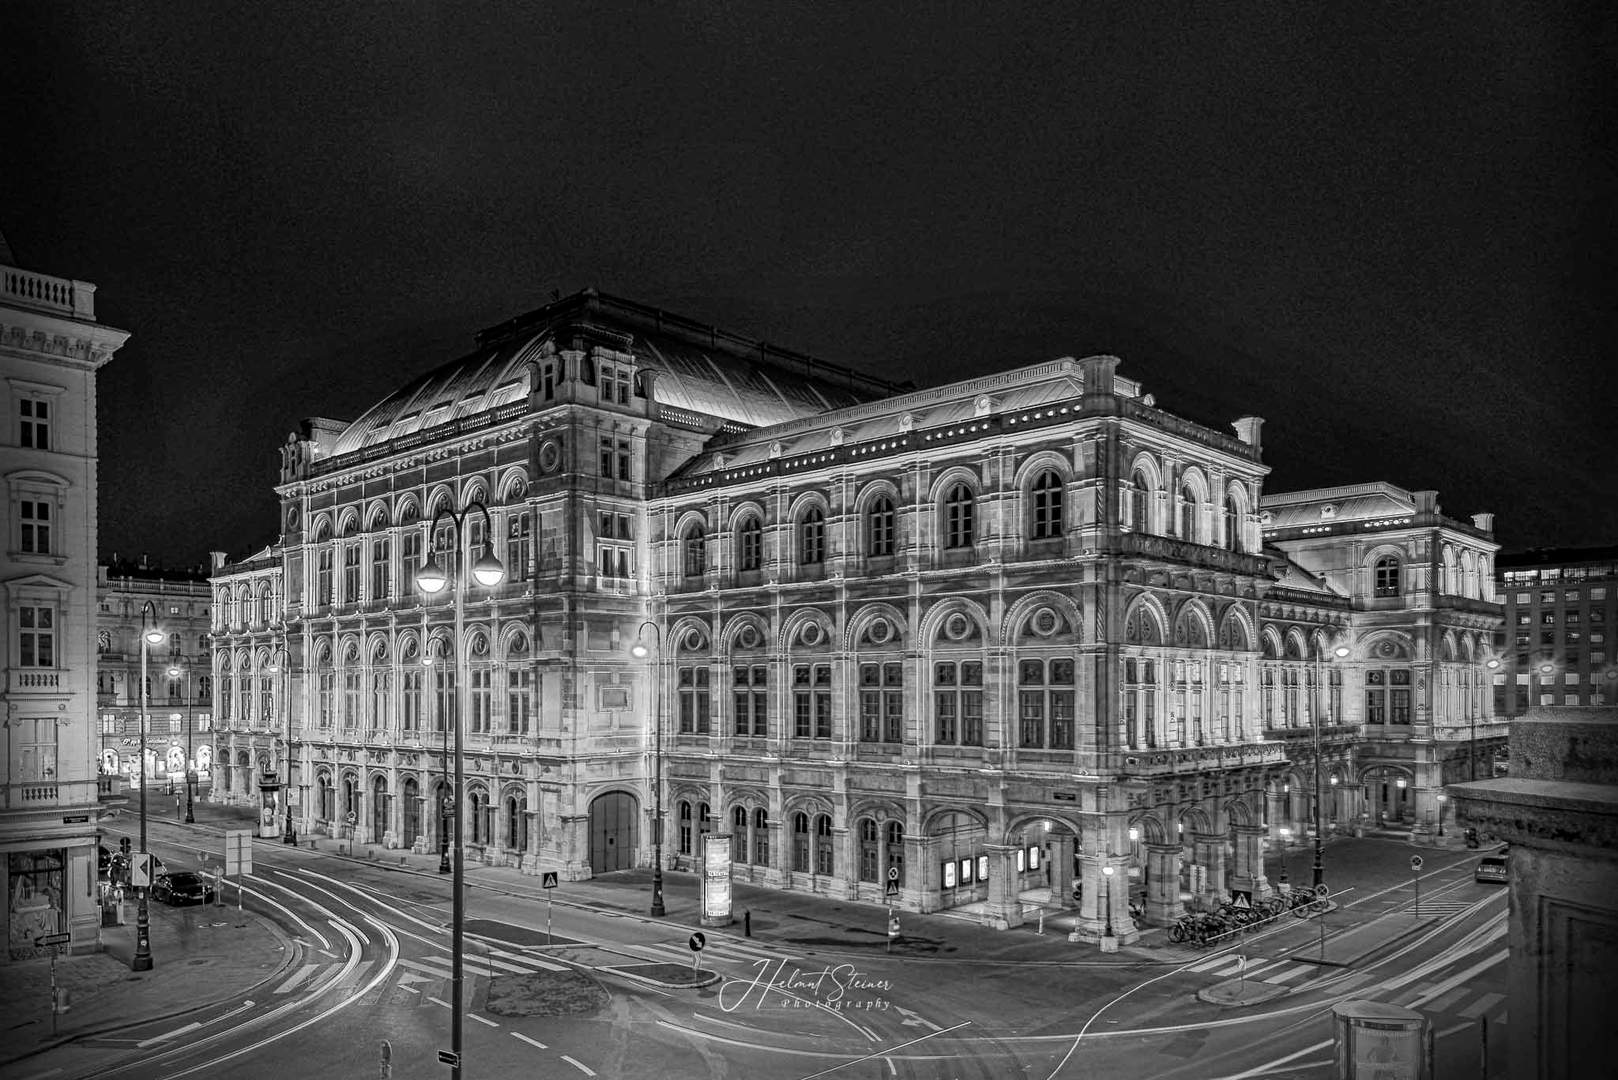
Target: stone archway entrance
x=1389 y=796
x=613 y=818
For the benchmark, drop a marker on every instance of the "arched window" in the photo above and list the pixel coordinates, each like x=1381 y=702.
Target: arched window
x=825 y=851
x=879 y=536
x=761 y=837
x=685 y=827
x=1047 y=506
x=750 y=544
x=695 y=549
x=516 y=823
x=1140 y=502
x=739 y=847
x=870 y=850
x=959 y=508
x=800 y=842
x=812 y=537
x=894 y=844
x=1385 y=577
x=1233 y=525
x=1188 y=514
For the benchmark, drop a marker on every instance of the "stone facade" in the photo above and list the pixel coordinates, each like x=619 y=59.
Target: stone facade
x=989 y=637
x=1559 y=812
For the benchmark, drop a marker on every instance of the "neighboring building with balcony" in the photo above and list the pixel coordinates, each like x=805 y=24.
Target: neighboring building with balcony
x=1561 y=610
x=50 y=350
x=254 y=675
x=179 y=677
x=989 y=636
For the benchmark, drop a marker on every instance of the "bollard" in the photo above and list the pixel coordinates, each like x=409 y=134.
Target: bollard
x=747 y=923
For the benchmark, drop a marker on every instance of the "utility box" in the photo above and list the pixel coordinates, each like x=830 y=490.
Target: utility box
x=1381 y=1042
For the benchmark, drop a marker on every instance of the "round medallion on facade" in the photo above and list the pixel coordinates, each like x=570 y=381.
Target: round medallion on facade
x=550 y=455
x=881 y=632
x=693 y=641
x=811 y=634
x=957 y=627
x=1046 y=622
x=748 y=637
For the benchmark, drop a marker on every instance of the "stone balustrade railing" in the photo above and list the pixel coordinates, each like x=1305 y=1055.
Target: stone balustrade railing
x=29 y=289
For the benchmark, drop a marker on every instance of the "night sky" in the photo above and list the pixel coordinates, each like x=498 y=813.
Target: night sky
x=1385 y=228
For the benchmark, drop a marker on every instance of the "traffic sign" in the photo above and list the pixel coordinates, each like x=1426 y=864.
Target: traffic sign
x=1322 y=891
x=1240 y=902
x=1415 y=862
x=547 y=880
x=52 y=939
x=450 y=1058
x=698 y=941
x=893 y=873
x=893 y=925
x=892 y=888
x=140 y=869
x=351 y=817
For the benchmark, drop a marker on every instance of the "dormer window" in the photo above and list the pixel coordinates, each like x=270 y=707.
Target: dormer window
x=613 y=381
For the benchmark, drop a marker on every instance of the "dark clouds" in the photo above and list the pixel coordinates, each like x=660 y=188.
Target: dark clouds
x=1385 y=228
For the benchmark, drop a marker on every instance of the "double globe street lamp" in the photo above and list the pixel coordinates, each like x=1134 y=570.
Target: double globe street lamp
x=431 y=579
x=290 y=835
x=150 y=634
x=176 y=671
x=641 y=651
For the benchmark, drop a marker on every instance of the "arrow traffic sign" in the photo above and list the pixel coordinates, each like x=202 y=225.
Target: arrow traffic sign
x=698 y=941
x=52 y=939
x=450 y=1058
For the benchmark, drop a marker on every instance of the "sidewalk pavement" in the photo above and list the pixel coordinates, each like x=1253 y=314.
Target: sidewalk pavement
x=202 y=958
x=201 y=955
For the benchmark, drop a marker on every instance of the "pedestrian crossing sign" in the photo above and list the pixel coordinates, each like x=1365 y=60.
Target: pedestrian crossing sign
x=548 y=879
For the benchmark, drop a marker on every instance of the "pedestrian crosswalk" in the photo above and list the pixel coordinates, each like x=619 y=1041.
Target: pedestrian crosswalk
x=338 y=977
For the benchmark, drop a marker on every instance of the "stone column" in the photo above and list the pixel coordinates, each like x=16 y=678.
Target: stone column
x=1163 y=883
x=1088 y=926
x=1115 y=894
x=1210 y=849
x=1004 y=910
x=1248 y=872
x=921 y=873
x=1061 y=864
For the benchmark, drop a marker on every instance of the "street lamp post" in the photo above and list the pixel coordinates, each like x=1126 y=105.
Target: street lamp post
x=431 y=578
x=1339 y=653
x=1493 y=664
x=149 y=635
x=640 y=651
x=446 y=805
x=1441 y=798
x=175 y=671
x=290 y=835
x=1106 y=895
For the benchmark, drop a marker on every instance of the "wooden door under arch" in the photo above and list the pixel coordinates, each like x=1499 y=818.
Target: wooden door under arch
x=612 y=832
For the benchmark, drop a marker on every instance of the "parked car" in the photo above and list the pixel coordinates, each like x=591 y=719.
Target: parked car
x=183 y=887
x=1492 y=868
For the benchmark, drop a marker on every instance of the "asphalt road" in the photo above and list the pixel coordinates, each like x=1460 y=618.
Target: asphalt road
x=372 y=977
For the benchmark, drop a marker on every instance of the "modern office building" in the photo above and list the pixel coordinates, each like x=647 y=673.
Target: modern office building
x=50 y=350
x=178 y=681
x=979 y=639
x=1561 y=606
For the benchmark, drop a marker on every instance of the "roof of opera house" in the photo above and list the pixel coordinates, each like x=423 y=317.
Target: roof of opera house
x=699 y=368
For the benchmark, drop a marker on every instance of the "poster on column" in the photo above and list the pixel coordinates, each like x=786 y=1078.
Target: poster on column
x=716 y=879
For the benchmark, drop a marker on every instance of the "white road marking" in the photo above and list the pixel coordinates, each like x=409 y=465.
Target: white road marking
x=1283 y=976
x=482 y=1020
x=1270 y=1066
x=585 y=1069
x=530 y=1042
x=302 y=974
x=1459 y=978
x=439 y=1001
x=169 y=1035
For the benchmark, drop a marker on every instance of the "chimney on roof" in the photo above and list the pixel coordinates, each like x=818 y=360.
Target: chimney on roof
x=216 y=559
x=1247 y=430
x=1426 y=502
x=1484 y=522
x=1097 y=373
x=143 y=560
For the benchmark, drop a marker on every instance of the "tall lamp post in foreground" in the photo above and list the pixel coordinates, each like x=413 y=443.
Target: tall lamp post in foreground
x=641 y=652
x=446 y=805
x=175 y=671
x=1339 y=653
x=430 y=579
x=1493 y=665
x=150 y=634
x=1106 y=896
x=290 y=835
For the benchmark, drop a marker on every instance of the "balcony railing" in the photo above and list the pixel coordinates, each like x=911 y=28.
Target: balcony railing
x=44 y=794
x=29 y=289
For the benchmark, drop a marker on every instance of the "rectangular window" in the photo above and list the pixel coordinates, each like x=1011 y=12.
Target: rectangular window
x=444 y=697
x=696 y=701
x=958 y=703
x=882 y=703
x=750 y=701
x=327 y=684
x=1045 y=704
x=409 y=559
x=323 y=577
x=351 y=699
x=34 y=744
x=381 y=700
x=380 y=583
x=1597 y=592
x=519 y=546
x=811 y=701
x=519 y=700
x=623 y=459
x=482 y=700
x=34 y=423
x=351 y=573
x=36 y=636
x=35 y=518
x=410 y=699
